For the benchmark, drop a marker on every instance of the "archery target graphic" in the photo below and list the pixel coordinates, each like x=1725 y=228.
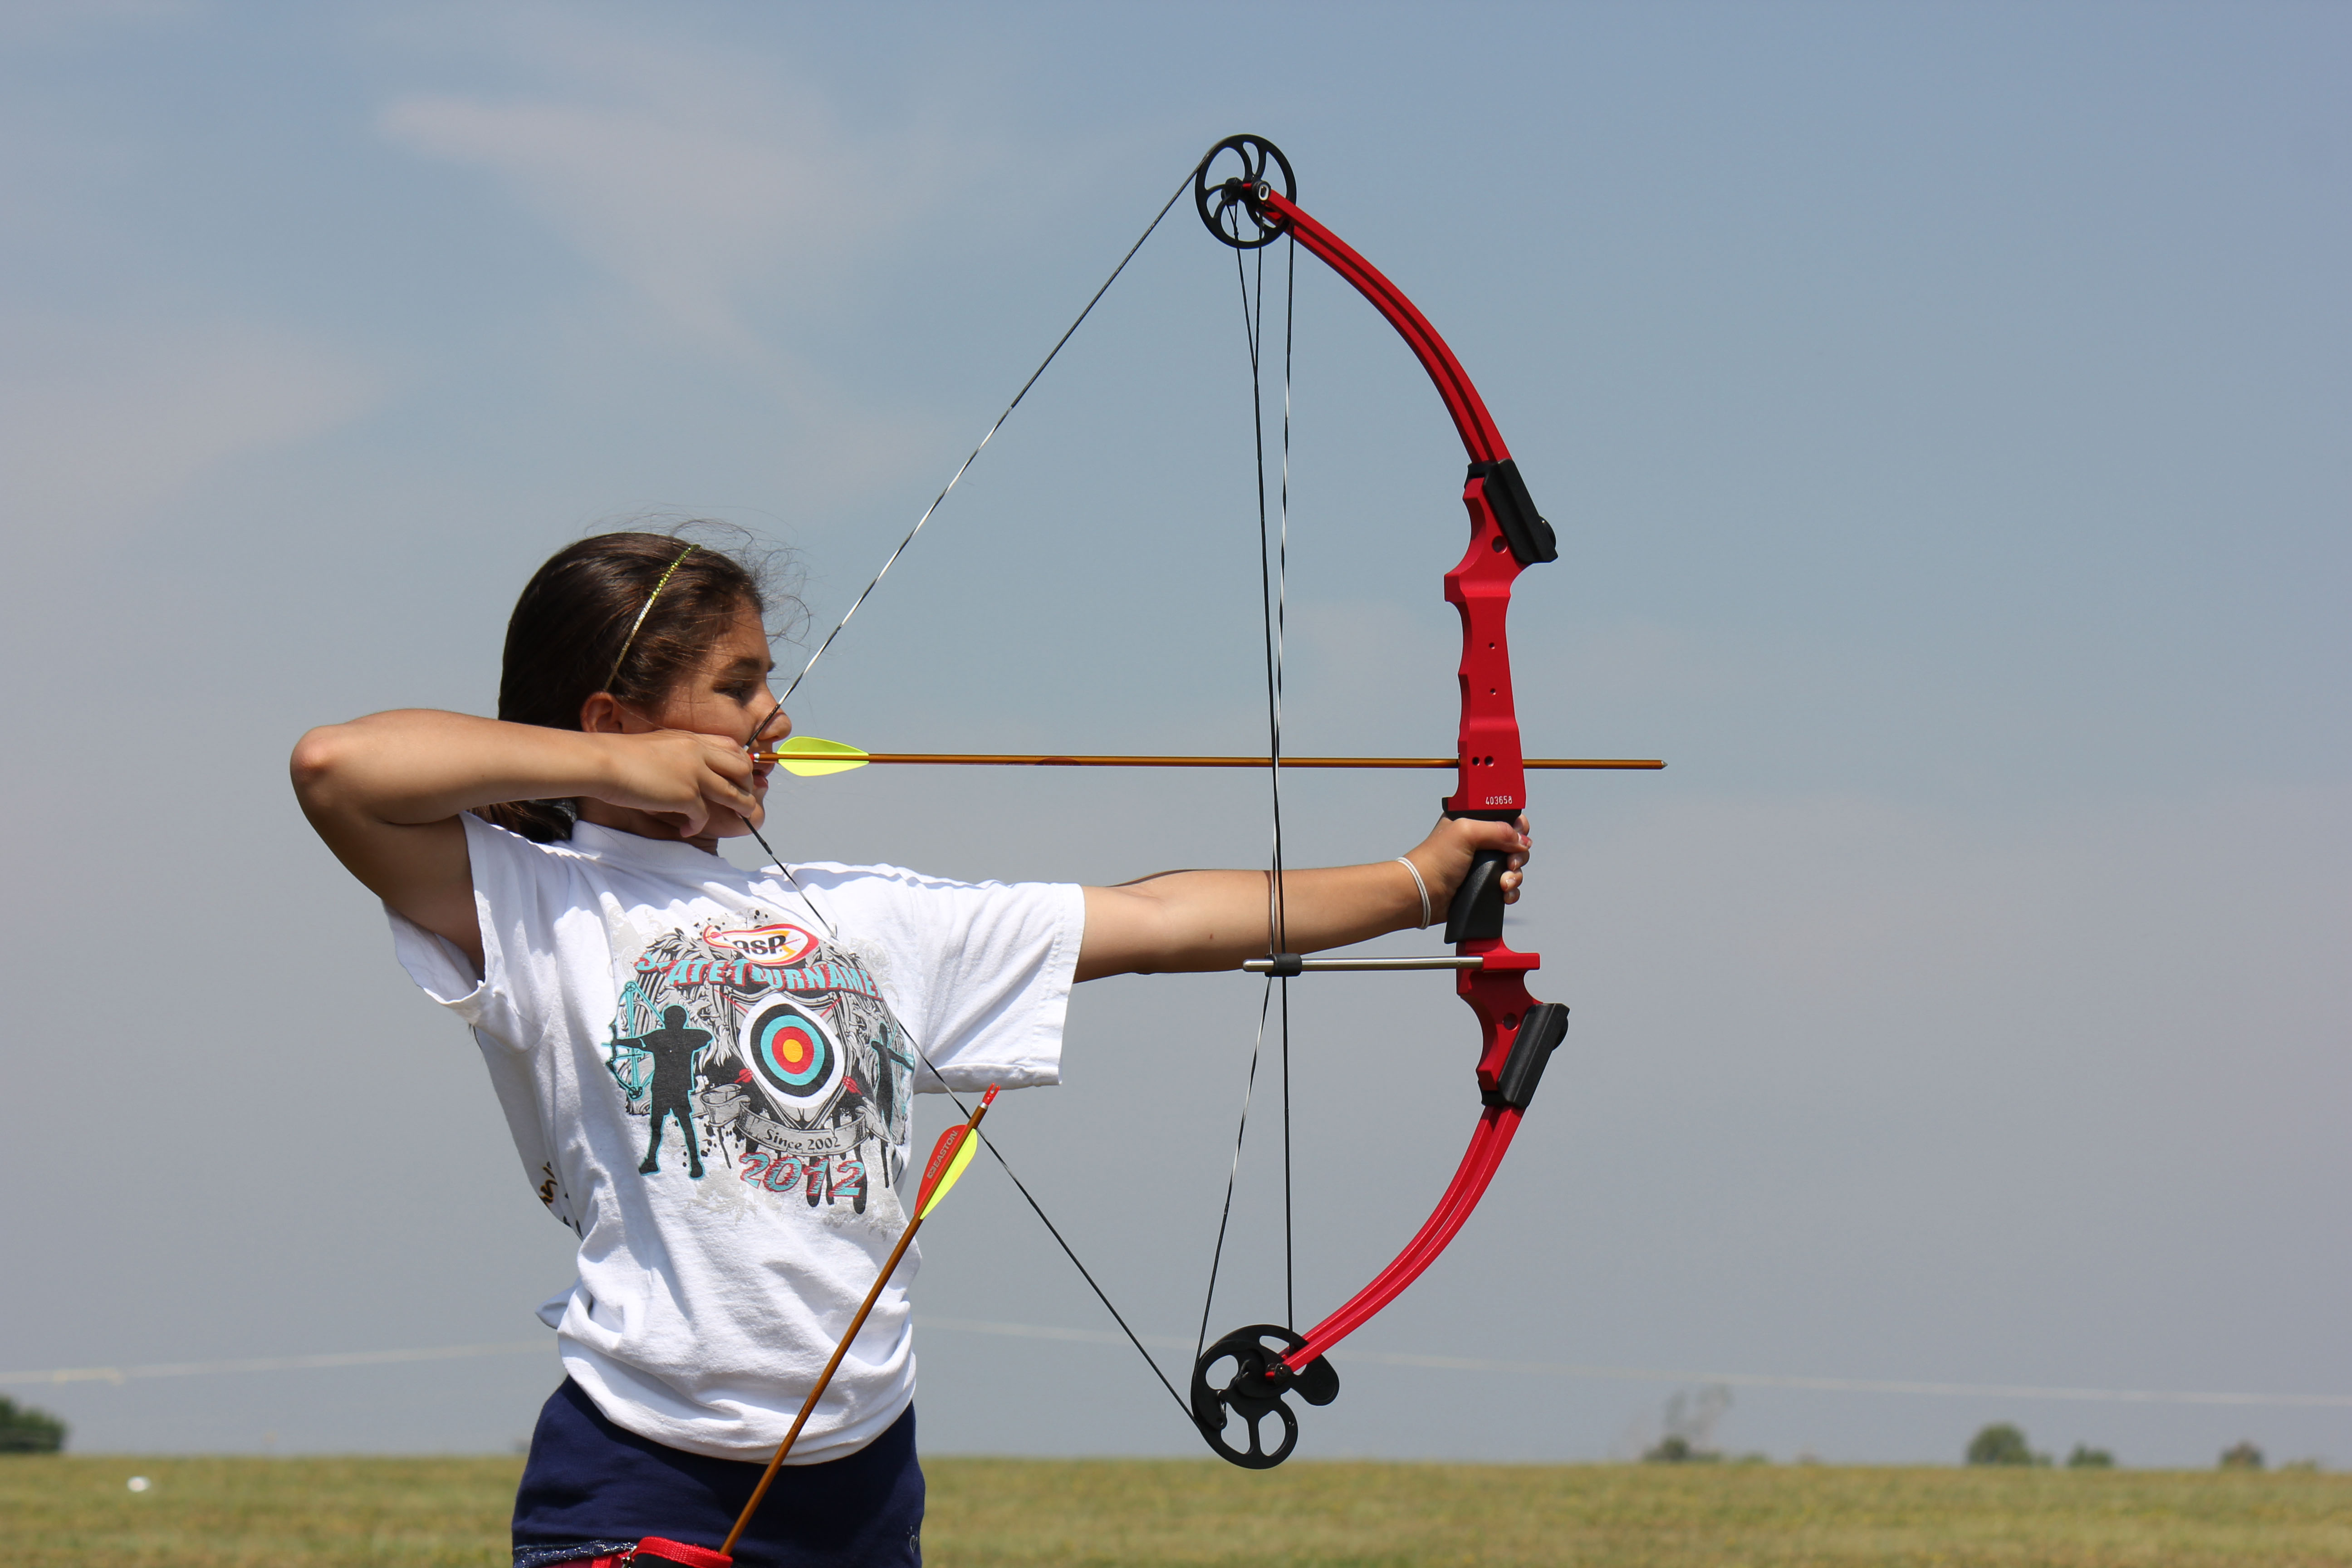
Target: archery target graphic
x=796 y=1057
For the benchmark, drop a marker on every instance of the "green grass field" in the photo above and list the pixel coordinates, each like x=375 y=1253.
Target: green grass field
x=76 y=1512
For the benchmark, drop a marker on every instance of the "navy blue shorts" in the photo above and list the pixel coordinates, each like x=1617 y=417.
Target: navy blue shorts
x=590 y=1488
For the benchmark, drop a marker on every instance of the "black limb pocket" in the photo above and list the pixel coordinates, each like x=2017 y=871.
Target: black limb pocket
x=1531 y=537
x=1542 y=1030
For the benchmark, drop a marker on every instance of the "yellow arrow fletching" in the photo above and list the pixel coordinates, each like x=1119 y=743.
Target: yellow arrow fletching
x=937 y=1188
x=809 y=756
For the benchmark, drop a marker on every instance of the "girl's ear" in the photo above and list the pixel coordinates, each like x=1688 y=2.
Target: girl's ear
x=602 y=714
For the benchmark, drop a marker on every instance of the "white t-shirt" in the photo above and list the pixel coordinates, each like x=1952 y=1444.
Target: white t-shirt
x=644 y=1002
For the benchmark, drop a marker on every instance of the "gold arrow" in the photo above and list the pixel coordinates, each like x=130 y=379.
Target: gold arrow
x=810 y=756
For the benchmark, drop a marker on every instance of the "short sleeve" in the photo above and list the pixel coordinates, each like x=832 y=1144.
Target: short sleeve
x=980 y=974
x=516 y=882
x=520 y=888
x=433 y=961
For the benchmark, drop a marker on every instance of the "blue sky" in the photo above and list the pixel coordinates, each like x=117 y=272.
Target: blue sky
x=1943 y=409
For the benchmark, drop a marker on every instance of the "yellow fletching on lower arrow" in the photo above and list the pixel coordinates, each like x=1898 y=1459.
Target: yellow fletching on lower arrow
x=937 y=1183
x=808 y=757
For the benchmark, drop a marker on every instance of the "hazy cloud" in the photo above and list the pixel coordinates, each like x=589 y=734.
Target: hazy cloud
x=102 y=422
x=57 y=18
x=694 y=180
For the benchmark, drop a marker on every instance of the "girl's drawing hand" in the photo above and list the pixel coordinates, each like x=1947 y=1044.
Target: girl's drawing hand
x=697 y=785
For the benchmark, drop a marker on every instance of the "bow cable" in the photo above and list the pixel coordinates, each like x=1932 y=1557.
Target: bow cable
x=1232 y=1173
x=1281 y=597
x=1274 y=570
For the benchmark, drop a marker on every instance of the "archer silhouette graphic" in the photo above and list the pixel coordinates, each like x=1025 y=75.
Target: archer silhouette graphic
x=673 y=1047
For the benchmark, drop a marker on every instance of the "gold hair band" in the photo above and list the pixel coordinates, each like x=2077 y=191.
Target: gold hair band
x=659 y=584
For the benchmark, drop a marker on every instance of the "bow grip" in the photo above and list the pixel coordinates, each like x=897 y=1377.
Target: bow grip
x=1477 y=913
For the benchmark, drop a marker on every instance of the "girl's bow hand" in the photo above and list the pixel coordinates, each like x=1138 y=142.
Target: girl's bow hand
x=1445 y=857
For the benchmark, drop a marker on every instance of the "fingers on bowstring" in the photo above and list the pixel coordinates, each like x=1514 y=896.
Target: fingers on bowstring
x=744 y=804
x=732 y=760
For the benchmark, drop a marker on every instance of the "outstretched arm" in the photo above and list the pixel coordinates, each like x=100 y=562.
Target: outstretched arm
x=1214 y=919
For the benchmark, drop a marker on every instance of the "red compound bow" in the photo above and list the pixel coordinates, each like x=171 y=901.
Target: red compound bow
x=1247 y=210
x=1267 y=1363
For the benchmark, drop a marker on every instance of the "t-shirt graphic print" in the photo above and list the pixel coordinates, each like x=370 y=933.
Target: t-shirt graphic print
x=756 y=1044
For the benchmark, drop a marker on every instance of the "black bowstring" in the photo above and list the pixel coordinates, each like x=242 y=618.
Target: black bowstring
x=1053 y=1230
x=1273 y=578
x=777 y=860
x=970 y=457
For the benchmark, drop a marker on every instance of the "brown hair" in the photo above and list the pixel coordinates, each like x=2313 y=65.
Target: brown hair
x=569 y=636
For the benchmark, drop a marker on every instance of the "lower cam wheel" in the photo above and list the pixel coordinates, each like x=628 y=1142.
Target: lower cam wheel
x=1253 y=1392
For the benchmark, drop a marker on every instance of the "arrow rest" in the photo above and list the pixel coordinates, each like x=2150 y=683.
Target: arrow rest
x=1254 y=1391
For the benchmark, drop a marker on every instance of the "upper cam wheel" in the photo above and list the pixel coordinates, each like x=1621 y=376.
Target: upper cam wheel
x=1230 y=183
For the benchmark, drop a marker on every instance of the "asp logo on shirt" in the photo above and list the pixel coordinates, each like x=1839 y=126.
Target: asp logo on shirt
x=756 y=1042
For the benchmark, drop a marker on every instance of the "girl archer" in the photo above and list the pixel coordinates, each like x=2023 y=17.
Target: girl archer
x=553 y=878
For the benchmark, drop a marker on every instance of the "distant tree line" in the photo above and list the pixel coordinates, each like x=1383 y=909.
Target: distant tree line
x=23 y=1430
x=2004 y=1443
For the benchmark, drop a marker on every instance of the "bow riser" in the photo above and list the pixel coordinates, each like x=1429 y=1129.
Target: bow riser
x=1492 y=781
x=1497 y=993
